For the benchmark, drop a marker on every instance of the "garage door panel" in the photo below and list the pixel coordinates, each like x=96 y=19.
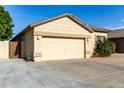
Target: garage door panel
x=62 y=48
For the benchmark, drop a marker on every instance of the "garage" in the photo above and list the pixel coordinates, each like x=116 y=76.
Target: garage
x=62 y=48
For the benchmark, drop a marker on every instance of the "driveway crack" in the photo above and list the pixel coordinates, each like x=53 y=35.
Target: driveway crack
x=33 y=75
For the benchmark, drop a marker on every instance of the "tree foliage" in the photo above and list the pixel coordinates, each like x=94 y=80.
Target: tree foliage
x=105 y=48
x=6 y=25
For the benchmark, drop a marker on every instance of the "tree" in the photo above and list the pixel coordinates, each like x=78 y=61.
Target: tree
x=6 y=25
x=104 y=48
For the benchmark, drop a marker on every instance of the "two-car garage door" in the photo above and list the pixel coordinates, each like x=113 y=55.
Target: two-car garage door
x=62 y=48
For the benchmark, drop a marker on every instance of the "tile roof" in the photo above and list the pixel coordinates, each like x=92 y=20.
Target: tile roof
x=118 y=33
x=72 y=17
x=99 y=29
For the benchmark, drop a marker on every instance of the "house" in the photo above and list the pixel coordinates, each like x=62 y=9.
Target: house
x=118 y=37
x=62 y=37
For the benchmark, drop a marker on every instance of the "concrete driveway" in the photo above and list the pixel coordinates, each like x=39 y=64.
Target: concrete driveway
x=20 y=74
x=78 y=73
x=105 y=72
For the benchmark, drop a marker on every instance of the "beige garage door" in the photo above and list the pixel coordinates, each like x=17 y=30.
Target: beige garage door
x=62 y=48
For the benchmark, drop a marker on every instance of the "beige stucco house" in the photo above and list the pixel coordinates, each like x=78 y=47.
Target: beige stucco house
x=61 y=37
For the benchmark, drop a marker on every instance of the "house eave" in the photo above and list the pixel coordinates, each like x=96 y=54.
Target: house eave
x=19 y=34
x=62 y=35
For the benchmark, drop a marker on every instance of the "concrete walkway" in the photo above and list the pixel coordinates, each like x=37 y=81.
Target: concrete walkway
x=19 y=74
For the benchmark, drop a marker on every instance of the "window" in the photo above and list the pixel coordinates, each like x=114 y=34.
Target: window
x=100 y=38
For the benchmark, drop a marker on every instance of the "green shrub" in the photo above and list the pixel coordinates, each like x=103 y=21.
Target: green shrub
x=28 y=57
x=104 y=48
x=113 y=47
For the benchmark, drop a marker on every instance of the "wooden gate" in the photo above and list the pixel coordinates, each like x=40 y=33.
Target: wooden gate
x=15 y=49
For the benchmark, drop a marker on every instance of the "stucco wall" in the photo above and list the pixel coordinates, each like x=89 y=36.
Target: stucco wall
x=4 y=49
x=90 y=43
x=27 y=44
x=63 y=25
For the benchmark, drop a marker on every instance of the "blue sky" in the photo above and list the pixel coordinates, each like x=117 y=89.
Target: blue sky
x=111 y=17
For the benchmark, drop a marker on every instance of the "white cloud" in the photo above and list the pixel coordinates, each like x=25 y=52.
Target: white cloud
x=122 y=20
x=23 y=15
x=113 y=28
x=108 y=27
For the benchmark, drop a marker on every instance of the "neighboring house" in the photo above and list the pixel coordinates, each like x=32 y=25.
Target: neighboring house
x=118 y=37
x=61 y=37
